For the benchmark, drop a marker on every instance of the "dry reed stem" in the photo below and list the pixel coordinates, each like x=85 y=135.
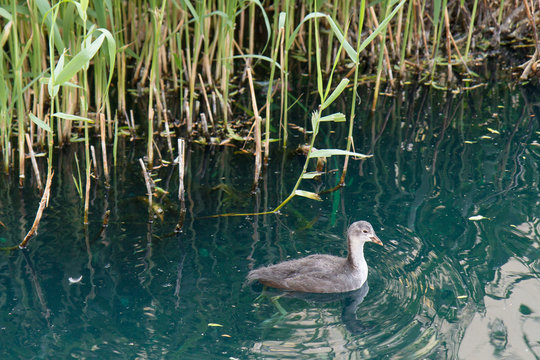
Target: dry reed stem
x=168 y=134
x=104 y=148
x=192 y=78
x=94 y=161
x=42 y=204
x=448 y=46
x=459 y=52
x=205 y=95
x=21 y=160
x=181 y=192
x=398 y=28
x=258 y=120
x=150 y=136
x=181 y=168
x=385 y=49
x=87 y=198
x=34 y=162
x=147 y=182
x=131 y=125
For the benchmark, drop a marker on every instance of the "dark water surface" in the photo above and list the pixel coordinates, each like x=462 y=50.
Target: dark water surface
x=444 y=286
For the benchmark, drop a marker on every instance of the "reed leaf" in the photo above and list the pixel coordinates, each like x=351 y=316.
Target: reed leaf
x=381 y=27
x=332 y=152
x=336 y=117
x=335 y=28
x=312 y=175
x=79 y=61
x=5 y=14
x=42 y=124
x=65 y=116
x=308 y=194
x=334 y=95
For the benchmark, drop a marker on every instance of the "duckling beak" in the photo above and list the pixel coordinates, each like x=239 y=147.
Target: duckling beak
x=376 y=240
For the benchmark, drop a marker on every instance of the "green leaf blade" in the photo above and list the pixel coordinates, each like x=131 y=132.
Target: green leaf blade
x=42 y=124
x=336 y=117
x=336 y=152
x=71 y=117
x=311 y=175
x=79 y=61
x=337 y=91
x=308 y=194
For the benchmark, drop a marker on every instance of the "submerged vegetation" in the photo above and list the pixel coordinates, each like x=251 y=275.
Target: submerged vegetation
x=70 y=69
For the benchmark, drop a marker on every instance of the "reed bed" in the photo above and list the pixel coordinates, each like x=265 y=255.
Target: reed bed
x=68 y=69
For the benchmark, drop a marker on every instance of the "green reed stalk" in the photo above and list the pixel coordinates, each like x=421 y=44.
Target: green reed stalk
x=407 y=36
x=84 y=113
x=5 y=112
x=53 y=91
x=226 y=51
x=17 y=93
x=361 y=16
x=275 y=50
x=288 y=31
x=157 y=21
x=179 y=61
x=501 y=8
x=37 y=67
x=471 y=26
x=115 y=141
x=437 y=33
x=197 y=37
x=310 y=37
x=382 y=44
x=330 y=41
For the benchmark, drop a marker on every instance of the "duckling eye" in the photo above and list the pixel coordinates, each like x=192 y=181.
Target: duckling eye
x=364 y=231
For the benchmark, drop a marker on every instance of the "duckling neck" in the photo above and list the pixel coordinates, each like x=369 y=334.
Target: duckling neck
x=356 y=256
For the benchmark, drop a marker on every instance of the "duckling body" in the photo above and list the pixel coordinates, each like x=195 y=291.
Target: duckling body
x=323 y=273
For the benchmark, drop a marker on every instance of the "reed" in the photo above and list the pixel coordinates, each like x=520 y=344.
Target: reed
x=55 y=85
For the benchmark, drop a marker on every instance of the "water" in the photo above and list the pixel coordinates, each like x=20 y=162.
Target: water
x=442 y=287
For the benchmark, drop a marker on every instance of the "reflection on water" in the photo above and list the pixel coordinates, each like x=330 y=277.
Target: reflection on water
x=452 y=191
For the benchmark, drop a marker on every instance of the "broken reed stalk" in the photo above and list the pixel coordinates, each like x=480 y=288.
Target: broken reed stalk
x=205 y=95
x=181 y=168
x=42 y=204
x=104 y=148
x=148 y=183
x=94 y=161
x=34 y=162
x=168 y=135
x=86 y=198
x=181 y=190
x=258 y=120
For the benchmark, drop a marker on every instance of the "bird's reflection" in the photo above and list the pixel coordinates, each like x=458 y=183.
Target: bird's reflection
x=351 y=301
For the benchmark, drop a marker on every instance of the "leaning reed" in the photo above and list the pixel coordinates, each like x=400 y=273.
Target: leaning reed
x=198 y=54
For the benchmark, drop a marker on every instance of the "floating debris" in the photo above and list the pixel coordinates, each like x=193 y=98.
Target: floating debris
x=74 y=280
x=493 y=131
x=215 y=325
x=478 y=218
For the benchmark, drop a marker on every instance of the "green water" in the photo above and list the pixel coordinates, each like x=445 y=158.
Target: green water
x=442 y=287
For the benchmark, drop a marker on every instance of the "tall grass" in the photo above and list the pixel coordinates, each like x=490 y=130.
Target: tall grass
x=59 y=60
